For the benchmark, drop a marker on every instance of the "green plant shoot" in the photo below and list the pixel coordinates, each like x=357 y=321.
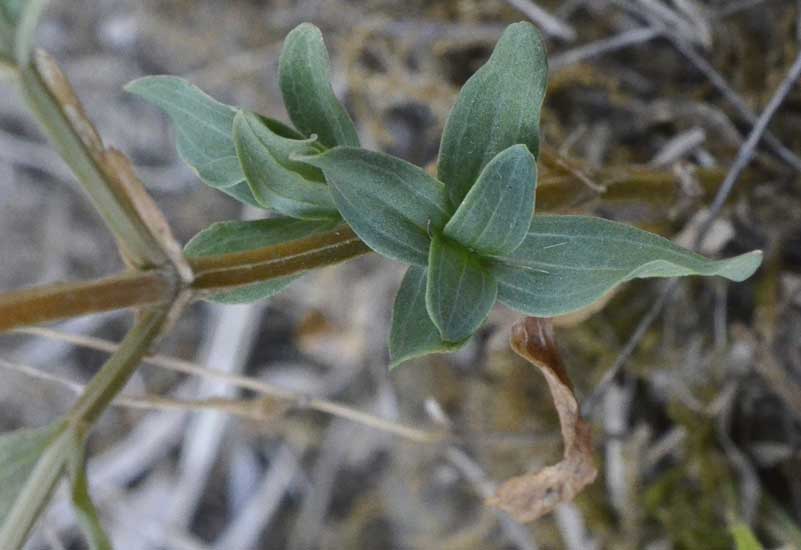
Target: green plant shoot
x=470 y=236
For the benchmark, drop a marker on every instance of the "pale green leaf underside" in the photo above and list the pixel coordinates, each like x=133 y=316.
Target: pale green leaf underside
x=204 y=131
x=499 y=106
x=274 y=184
x=413 y=334
x=568 y=262
x=19 y=452
x=202 y=125
x=460 y=292
x=494 y=217
x=239 y=236
x=391 y=204
x=304 y=76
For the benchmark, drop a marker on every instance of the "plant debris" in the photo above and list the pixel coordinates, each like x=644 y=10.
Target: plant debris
x=530 y=496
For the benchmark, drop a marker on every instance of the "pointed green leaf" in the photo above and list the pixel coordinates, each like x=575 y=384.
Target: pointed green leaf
x=204 y=131
x=390 y=203
x=413 y=334
x=273 y=176
x=460 y=291
x=203 y=126
x=19 y=452
x=499 y=106
x=304 y=74
x=568 y=262
x=85 y=509
x=239 y=236
x=495 y=215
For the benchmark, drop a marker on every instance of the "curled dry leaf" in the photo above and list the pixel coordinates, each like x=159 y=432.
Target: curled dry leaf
x=530 y=496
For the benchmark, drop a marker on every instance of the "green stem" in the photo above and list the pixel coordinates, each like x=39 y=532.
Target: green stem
x=54 y=302
x=102 y=389
x=213 y=273
x=115 y=373
x=51 y=98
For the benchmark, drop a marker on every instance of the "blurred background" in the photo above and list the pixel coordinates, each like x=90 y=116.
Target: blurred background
x=696 y=436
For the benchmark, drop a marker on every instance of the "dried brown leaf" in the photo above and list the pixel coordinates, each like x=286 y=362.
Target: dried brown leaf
x=533 y=495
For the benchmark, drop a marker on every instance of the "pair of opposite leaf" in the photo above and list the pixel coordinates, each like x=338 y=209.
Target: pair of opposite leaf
x=469 y=235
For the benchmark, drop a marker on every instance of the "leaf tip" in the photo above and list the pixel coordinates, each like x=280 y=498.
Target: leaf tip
x=134 y=86
x=743 y=266
x=241 y=118
x=523 y=31
x=306 y=27
x=137 y=86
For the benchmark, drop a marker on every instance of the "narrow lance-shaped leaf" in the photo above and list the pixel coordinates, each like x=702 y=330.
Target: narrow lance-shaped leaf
x=391 y=204
x=499 y=106
x=413 y=334
x=239 y=236
x=19 y=452
x=495 y=215
x=202 y=124
x=460 y=291
x=204 y=131
x=568 y=262
x=273 y=184
x=304 y=74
